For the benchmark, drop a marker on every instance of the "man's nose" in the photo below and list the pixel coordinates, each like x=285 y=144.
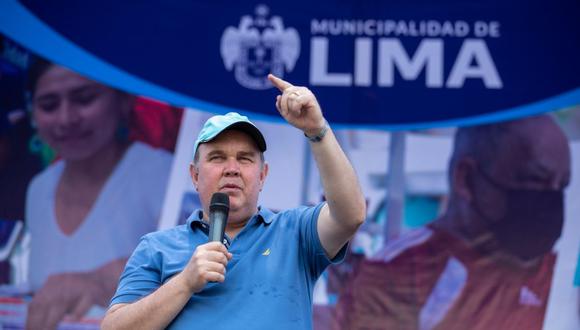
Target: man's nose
x=232 y=167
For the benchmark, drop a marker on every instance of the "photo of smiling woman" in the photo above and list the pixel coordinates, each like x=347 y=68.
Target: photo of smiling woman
x=87 y=210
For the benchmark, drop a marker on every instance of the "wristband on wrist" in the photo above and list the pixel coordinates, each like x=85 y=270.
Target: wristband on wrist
x=318 y=137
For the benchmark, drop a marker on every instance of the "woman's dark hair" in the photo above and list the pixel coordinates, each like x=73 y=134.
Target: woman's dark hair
x=38 y=66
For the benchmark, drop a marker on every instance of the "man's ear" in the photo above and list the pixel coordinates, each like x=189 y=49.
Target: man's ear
x=264 y=174
x=462 y=177
x=194 y=173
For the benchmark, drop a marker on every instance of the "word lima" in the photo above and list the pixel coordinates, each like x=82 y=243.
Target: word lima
x=473 y=61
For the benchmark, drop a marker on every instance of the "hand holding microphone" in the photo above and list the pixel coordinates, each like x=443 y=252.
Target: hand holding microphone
x=209 y=261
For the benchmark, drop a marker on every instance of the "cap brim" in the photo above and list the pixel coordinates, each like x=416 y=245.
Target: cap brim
x=252 y=131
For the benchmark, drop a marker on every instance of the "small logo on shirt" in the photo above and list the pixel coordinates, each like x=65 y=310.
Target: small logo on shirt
x=267 y=252
x=529 y=298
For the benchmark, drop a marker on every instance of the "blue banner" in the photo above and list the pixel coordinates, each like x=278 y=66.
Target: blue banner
x=395 y=64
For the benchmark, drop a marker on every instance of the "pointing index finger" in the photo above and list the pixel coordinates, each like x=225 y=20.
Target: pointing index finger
x=279 y=83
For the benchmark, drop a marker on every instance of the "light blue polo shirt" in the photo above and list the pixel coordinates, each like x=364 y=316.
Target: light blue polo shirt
x=269 y=281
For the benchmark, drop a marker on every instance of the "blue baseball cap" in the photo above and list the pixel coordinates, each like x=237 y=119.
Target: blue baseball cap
x=232 y=120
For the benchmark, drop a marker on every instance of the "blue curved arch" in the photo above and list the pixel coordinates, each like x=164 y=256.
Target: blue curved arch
x=19 y=24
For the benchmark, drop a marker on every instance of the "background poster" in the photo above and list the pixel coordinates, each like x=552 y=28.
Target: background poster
x=395 y=81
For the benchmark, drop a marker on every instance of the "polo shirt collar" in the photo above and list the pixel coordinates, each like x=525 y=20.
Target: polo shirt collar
x=195 y=219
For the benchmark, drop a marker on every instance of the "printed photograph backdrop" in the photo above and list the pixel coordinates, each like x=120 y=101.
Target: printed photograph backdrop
x=395 y=80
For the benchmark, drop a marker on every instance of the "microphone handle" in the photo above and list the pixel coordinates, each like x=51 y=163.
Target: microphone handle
x=217 y=226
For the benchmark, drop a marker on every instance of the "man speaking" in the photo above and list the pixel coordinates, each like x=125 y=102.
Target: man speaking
x=263 y=273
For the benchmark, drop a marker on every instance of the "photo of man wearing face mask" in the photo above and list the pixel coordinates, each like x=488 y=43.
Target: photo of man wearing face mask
x=487 y=262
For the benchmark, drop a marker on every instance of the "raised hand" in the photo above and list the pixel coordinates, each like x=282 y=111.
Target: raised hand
x=298 y=106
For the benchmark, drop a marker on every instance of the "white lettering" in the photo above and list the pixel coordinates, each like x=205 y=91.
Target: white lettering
x=319 y=74
x=447 y=29
x=429 y=55
x=473 y=61
x=433 y=28
x=461 y=29
x=369 y=27
x=474 y=50
x=319 y=27
x=400 y=28
x=494 y=29
x=363 y=59
x=483 y=29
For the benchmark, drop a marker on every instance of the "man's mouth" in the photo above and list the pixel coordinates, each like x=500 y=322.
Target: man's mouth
x=230 y=186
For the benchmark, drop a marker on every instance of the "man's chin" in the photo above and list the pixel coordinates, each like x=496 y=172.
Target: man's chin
x=238 y=208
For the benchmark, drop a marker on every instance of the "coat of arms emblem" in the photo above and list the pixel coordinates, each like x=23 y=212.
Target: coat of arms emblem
x=259 y=46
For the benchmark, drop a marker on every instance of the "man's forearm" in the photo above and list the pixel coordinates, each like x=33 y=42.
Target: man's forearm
x=346 y=203
x=346 y=209
x=155 y=311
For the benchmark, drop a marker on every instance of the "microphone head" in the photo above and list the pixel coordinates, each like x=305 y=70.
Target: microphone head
x=219 y=202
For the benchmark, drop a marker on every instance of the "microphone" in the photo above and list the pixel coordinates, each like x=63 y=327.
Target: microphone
x=218 y=216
